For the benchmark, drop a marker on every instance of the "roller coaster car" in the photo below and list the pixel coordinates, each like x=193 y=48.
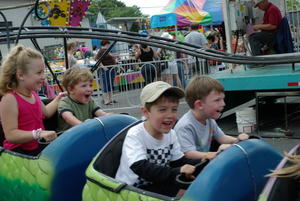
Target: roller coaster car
x=278 y=189
x=236 y=174
x=57 y=173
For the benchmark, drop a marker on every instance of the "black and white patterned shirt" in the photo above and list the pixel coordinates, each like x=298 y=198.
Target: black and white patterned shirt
x=140 y=145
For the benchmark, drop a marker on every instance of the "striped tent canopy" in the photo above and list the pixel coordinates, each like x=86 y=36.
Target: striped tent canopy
x=214 y=7
x=181 y=13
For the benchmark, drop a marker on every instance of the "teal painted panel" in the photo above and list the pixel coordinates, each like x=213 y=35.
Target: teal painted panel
x=264 y=78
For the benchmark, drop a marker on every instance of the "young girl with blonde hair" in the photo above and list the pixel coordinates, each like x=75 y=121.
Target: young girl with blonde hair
x=21 y=109
x=288 y=186
x=291 y=171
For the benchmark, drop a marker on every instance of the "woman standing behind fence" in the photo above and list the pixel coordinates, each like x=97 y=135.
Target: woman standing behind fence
x=107 y=73
x=148 y=70
x=215 y=41
x=171 y=72
x=71 y=48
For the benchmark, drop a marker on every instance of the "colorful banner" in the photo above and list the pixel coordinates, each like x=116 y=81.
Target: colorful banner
x=77 y=11
x=128 y=78
x=59 y=15
x=64 y=12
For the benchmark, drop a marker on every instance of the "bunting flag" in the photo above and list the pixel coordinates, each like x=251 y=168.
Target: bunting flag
x=77 y=11
x=59 y=14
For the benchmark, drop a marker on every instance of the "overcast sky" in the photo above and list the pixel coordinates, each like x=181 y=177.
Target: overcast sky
x=149 y=7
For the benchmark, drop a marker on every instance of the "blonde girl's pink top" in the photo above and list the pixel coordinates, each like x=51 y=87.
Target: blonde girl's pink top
x=30 y=118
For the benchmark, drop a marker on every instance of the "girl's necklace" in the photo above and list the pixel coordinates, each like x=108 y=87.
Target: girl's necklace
x=26 y=95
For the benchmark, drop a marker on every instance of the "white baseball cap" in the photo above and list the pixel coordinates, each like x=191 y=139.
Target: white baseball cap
x=154 y=90
x=256 y=2
x=166 y=35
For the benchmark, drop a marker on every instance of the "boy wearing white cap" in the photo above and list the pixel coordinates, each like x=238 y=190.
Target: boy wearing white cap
x=151 y=156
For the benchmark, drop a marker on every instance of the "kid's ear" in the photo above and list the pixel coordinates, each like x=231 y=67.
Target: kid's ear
x=198 y=104
x=69 y=89
x=145 y=111
x=19 y=74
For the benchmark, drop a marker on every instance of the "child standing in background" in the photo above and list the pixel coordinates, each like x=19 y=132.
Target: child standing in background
x=21 y=109
x=71 y=48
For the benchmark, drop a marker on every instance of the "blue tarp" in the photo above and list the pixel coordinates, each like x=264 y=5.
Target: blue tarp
x=163 y=20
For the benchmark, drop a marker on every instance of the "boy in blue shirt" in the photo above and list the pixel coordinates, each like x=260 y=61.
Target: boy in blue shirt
x=197 y=128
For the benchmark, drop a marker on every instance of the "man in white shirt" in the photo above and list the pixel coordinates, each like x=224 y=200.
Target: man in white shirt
x=196 y=38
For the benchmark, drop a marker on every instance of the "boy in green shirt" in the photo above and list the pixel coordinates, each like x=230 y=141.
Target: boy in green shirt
x=78 y=106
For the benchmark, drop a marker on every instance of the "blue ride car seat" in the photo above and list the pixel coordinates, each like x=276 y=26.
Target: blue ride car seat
x=237 y=174
x=58 y=172
x=109 y=160
x=282 y=188
x=82 y=143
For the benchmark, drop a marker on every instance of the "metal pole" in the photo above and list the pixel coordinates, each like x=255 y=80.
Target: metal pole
x=227 y=26
x=36 y=45
x=66 y=53
x=7 y=29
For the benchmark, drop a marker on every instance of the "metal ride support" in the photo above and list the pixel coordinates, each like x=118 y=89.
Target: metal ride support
x=36 y=45
x=129 y=37
x=7 y=29
x=34 y=42
x=261 y=95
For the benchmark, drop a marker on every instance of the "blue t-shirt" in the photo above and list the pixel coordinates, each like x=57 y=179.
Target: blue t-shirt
x=193 y=135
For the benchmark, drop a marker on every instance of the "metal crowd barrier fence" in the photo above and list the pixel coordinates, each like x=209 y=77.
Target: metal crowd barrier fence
x=128 y=77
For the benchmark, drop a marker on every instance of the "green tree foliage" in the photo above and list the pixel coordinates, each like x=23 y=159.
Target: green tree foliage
x=293 y=5
x=113 y=8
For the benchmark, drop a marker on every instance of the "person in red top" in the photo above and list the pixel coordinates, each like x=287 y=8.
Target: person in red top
x=268 y=29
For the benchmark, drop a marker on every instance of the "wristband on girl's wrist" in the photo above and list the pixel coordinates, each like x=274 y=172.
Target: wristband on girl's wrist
x=36 y=134
x=61 y=94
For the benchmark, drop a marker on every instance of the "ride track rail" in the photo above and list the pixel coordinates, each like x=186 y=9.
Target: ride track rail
x=35 y=32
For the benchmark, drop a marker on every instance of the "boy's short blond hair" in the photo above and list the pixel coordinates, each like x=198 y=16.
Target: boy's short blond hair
x=199 y=88
x=74 y=75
